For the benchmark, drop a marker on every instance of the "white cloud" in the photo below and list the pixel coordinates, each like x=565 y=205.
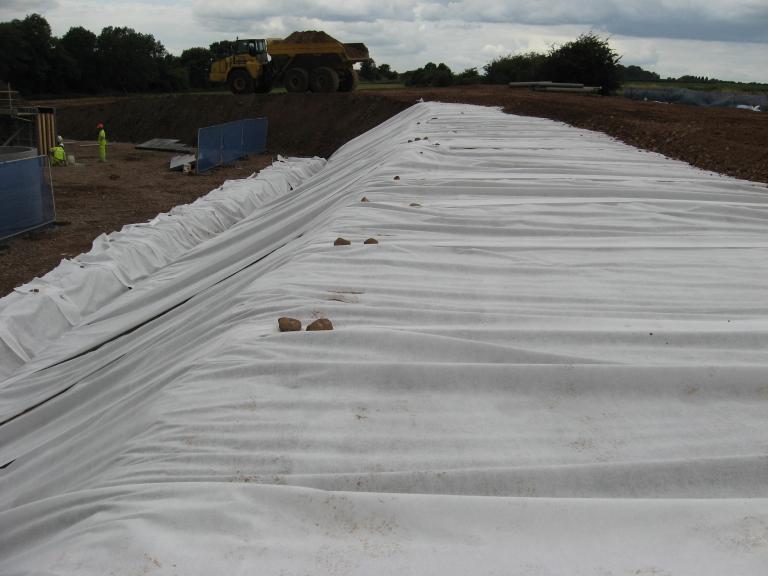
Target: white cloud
x=725 y=60
x=495 y=50
x=24 y=7
x=734 y=20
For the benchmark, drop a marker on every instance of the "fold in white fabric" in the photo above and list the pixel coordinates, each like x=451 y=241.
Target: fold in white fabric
x=43 y=309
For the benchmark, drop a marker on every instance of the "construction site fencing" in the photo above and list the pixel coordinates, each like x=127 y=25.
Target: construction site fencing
x=224 y=143
x=26 y=195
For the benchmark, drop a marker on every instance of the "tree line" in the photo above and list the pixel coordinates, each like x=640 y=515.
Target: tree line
x=120 y=59
x=588 y=60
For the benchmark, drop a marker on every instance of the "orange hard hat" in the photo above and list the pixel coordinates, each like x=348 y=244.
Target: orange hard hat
x=99 y=125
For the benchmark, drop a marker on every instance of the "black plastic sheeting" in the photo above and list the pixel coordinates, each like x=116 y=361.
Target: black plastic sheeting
x=698 y=97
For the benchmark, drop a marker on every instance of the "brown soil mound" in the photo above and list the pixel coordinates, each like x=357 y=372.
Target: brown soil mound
x=309 y=37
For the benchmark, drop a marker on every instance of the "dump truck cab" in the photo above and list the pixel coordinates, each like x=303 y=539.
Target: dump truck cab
x=242 y=64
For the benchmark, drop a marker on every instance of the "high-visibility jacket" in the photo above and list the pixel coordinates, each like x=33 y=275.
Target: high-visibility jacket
x=102 y=145
x=59 y=155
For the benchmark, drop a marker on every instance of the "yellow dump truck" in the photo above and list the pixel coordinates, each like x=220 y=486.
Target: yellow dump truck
x=303 y=61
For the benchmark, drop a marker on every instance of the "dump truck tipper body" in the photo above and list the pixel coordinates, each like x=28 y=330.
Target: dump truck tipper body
x=303 y=61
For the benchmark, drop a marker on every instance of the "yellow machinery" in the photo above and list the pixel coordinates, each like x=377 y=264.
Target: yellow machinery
x=303 y=61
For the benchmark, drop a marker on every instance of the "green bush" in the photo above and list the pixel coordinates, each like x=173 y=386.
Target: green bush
x=469 y=76
x=431 y=75
x=528 y=67
x=588 y=60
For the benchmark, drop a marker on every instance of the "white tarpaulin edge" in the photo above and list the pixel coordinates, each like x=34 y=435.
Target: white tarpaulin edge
x=41 y=310
x=554 y=361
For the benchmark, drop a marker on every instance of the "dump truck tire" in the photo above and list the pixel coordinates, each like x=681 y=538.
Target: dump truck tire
x=296 y=80
x=324 y=79
x=349 y=81
x=240 y=82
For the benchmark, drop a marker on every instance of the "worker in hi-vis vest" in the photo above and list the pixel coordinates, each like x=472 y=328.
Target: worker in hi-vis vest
x=102 y=142
x=58 y=153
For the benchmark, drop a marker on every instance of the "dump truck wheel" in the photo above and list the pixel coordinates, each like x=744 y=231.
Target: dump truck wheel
x=349 y=81
x=296 y=80
x=324 y=79
x=240 y=82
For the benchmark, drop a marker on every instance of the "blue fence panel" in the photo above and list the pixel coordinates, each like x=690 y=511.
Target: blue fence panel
x=208 y=148
x=225 y=143
x=26 y=197
x=231 y=142
x=255 y=135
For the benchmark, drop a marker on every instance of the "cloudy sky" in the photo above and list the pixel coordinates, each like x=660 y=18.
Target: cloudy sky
x=719 y=38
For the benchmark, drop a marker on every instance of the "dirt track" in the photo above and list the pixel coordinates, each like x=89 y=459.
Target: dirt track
x=135 y=185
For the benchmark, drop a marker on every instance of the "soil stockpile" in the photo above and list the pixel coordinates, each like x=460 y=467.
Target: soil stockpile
x=309 y=37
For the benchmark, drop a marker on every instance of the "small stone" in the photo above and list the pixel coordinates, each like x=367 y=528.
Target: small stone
x=416 y=139
x=320 y=324
x=341 y=242
x=363 y=199
x=415 y=204
x=371 y=241
x=397 y=177
x=288 y=324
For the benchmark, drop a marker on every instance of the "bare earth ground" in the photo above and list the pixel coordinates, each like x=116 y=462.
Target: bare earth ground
x=91 y=198
x=135 y=185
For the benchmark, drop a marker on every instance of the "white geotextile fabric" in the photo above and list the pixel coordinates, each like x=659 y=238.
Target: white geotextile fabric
x=554 y=364
x=40 y=311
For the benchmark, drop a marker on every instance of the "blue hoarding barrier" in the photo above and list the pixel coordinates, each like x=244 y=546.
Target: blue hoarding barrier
x=224 y=143
x=26 y=196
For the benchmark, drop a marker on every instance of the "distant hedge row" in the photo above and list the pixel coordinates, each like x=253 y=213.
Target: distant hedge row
x=588 y=60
